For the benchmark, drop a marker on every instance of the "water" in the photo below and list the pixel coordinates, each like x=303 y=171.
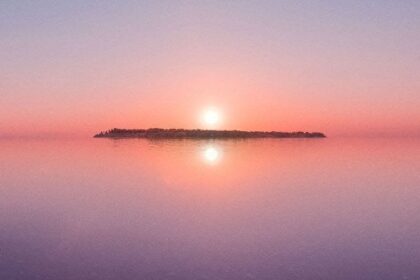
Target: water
x=197 y=209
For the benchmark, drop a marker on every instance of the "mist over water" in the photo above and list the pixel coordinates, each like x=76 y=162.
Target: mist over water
x=210 y=209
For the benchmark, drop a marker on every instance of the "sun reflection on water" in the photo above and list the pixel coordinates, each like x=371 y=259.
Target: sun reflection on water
x=211 y=155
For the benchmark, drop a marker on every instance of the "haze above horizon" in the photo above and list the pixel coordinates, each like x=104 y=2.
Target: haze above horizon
x=78 y=67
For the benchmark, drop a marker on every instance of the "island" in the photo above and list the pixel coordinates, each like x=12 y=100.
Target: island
x=202 y=134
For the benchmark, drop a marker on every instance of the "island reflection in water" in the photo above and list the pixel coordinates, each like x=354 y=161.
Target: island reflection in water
x=199 y=209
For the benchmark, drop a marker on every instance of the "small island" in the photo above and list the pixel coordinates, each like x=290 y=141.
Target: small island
x=202 y=134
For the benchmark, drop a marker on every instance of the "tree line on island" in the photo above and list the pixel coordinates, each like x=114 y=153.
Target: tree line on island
x=200 y=133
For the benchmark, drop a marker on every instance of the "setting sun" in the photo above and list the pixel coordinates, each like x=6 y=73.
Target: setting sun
x=275 y=139
x=210 y=118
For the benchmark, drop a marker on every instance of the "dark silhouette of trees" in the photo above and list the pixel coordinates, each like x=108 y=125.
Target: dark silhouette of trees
x=198 y=133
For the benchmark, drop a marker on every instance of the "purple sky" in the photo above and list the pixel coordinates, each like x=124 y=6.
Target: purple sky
x=342 y=67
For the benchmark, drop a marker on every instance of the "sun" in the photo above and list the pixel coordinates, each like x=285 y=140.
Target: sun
x=210 y=117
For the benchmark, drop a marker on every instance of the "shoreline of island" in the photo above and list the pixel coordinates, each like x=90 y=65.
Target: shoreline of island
x=176 y=133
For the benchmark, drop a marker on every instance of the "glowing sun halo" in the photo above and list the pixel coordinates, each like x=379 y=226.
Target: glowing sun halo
x=210 y=117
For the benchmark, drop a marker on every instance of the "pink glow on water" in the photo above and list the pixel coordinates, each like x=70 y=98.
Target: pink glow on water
x=261 y=208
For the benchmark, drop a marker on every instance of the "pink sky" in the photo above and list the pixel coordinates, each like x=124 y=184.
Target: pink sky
x=343 y=69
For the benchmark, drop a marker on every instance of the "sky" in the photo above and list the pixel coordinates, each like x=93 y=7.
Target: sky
x=340 y=67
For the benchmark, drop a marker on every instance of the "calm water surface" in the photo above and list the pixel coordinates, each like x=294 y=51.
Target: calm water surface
x=188 y=209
